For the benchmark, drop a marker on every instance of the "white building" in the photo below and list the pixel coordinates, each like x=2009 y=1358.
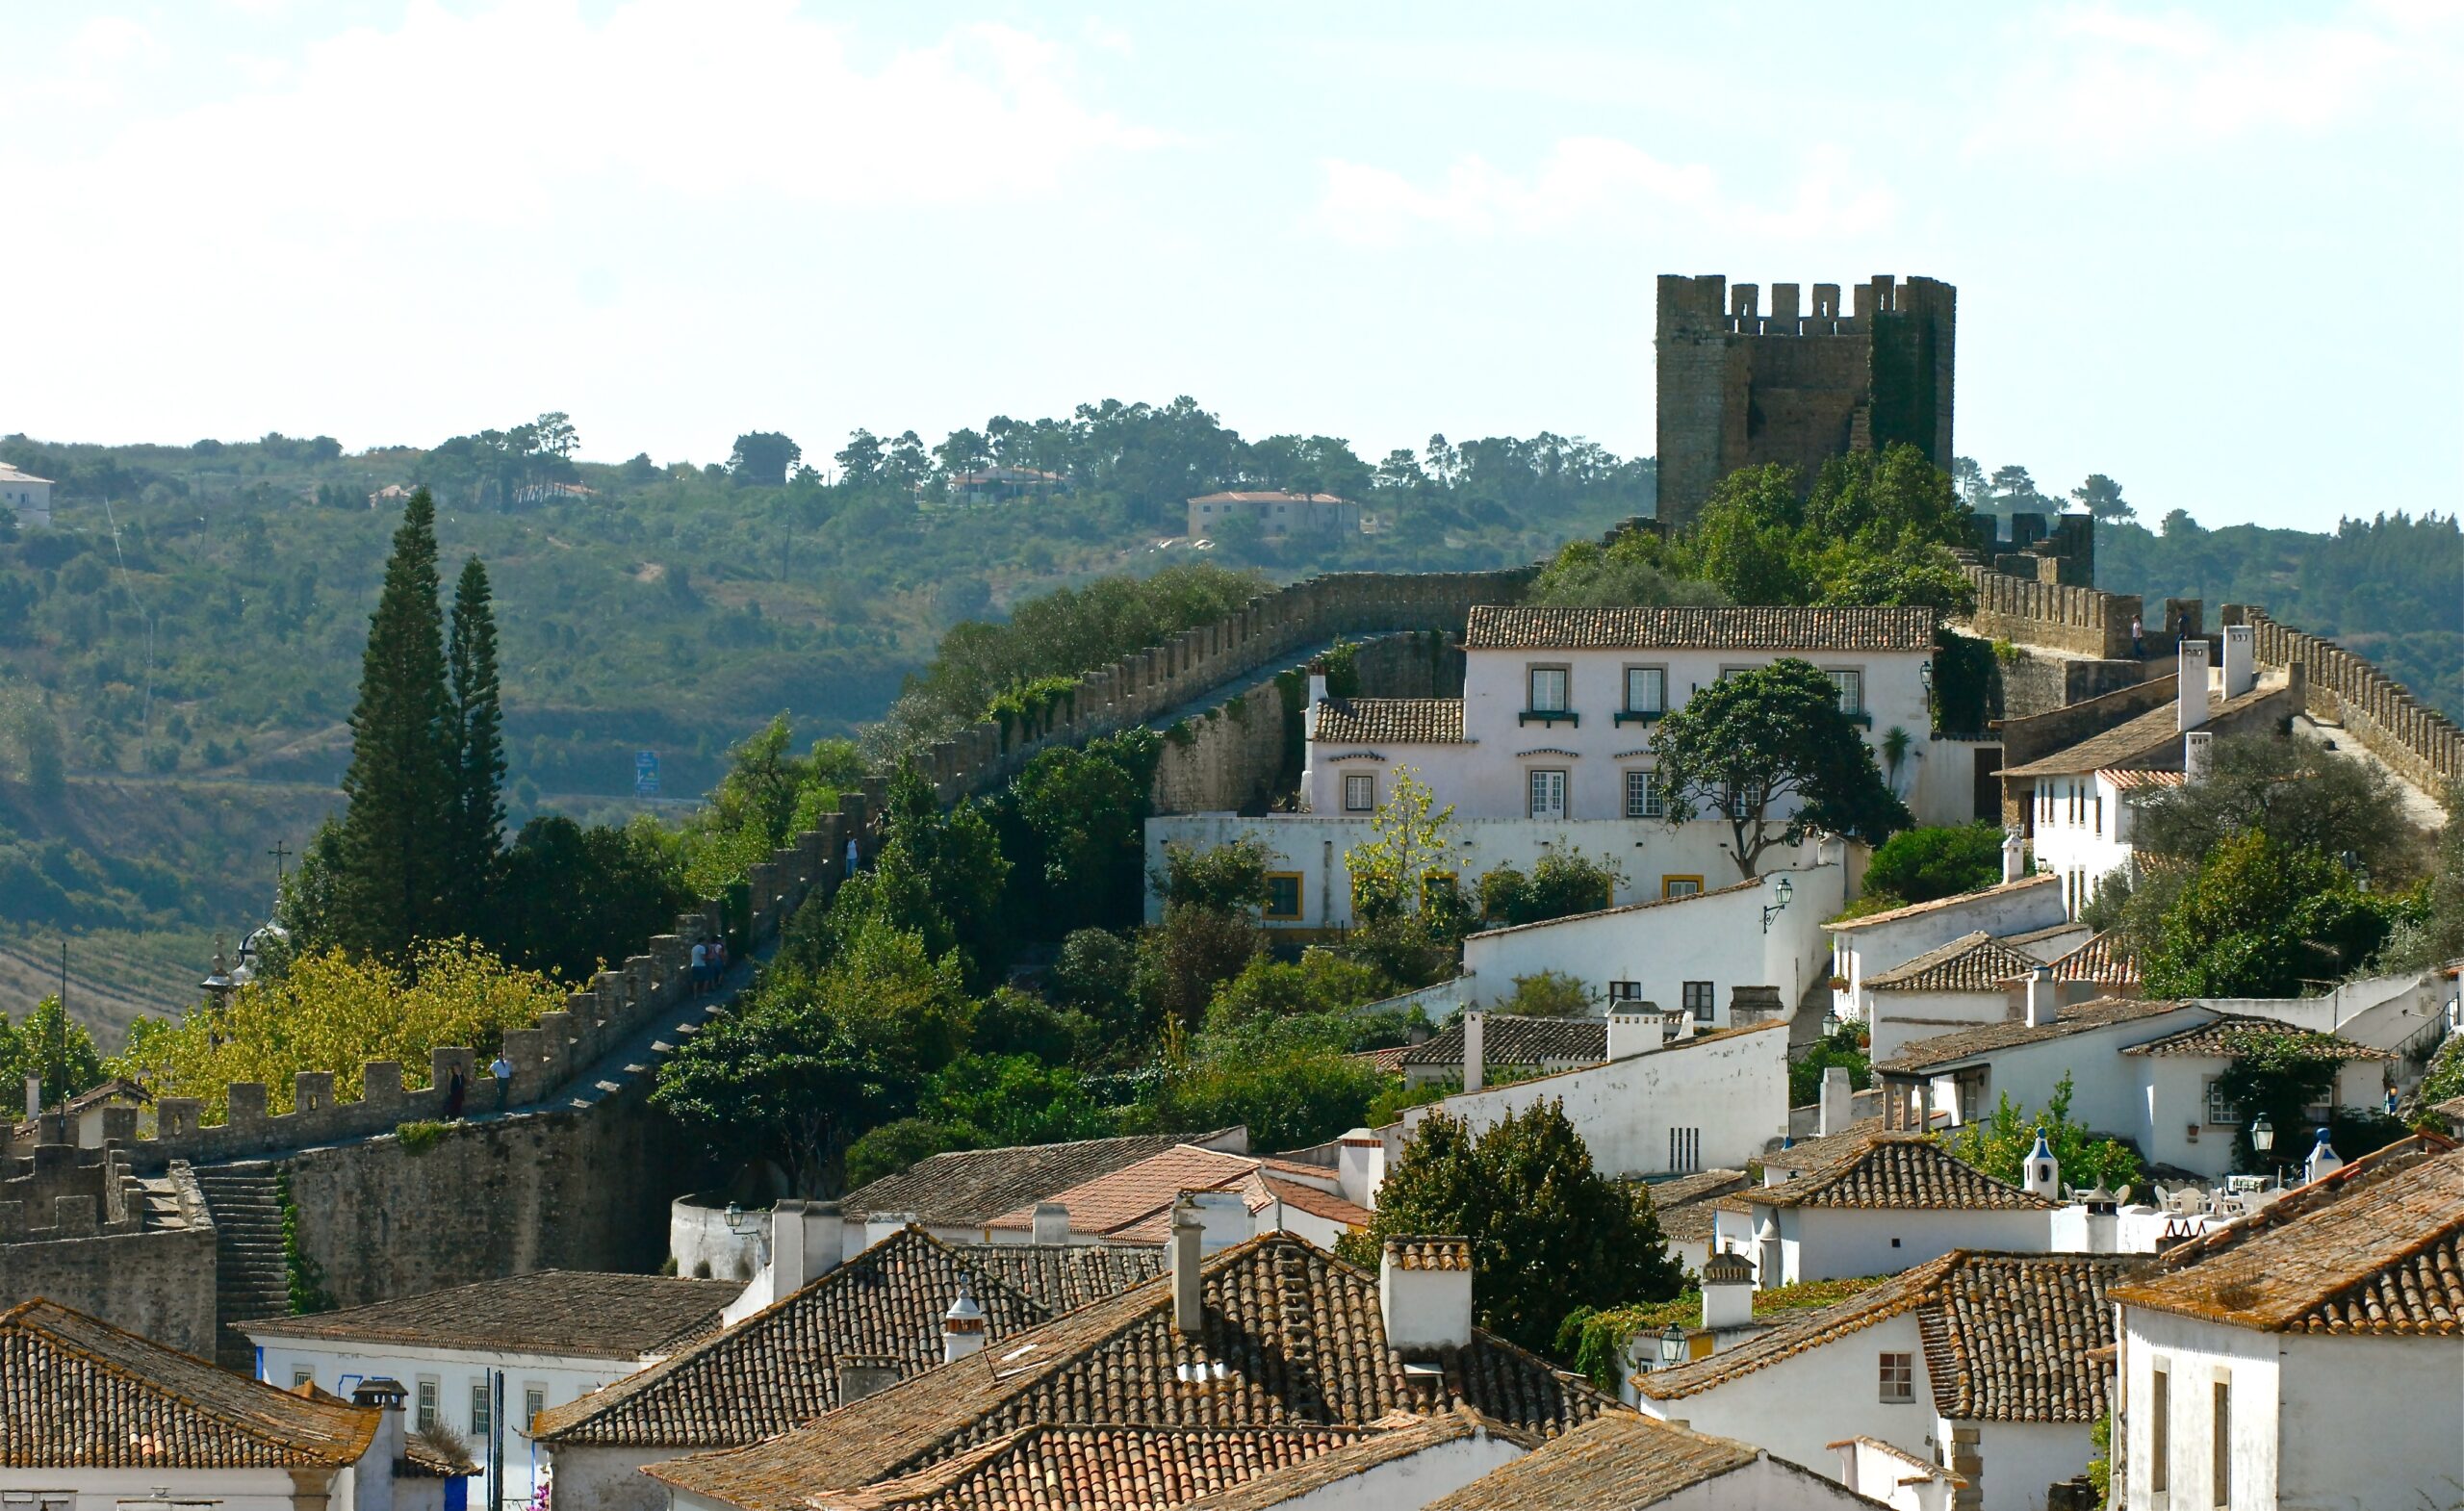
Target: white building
x=2142 y=1070
x=30 y=495
x=93 y=1418
x=1622 y=1459
x=1761 y=941
x=1277 y=514
x=1863 y=948
x=1964 y=983
x=1660 y=1106
x=2306 y=1358
x=1875 y=1203
x=1985 y=1364
x=1559 y=705
x=482 y=1360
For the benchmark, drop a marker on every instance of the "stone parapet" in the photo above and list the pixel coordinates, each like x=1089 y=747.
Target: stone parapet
x=2420 y=742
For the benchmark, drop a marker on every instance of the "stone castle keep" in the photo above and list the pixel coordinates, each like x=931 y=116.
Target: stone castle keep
x=1739 y=388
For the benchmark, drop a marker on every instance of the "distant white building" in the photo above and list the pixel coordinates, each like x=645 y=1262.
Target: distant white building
x=1876 y=1203
x=30 y=495
x=1864 y=948
x=2299 y=1358
x=1279 y=514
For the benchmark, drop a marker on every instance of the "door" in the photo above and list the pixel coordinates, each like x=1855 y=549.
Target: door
x=1988 y=785
x=1549 y=794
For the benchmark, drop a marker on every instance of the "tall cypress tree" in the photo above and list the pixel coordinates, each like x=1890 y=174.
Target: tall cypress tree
x=402 y=783
x=479 y=727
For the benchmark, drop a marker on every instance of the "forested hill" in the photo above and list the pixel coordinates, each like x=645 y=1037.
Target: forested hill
x=186 y=639
x=2390 y=587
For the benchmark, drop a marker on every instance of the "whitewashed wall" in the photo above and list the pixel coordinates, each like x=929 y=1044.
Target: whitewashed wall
x=2085 y=850
x=611 y=1479
x=1836 y=1243
x=1731 y=1092
x=1797 y=1407
x=2193 y=1354
x=1901 y=1018
x=1411 y=1482
x=1873 y=948
x=1718 y=936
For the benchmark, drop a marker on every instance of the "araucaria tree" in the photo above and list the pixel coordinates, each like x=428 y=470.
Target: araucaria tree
x=1768 y=750
x=401 y=788
x=1549 y=1233
x=478 y=749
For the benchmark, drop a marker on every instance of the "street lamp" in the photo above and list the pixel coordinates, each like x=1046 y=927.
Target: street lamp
x=1672 y=1347
x=1783 y=890
x=2263 y=1140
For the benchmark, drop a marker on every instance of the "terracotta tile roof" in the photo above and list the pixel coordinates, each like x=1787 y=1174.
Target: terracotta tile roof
x=1096 y=1469
x=1134 y=1205
x=1971 y=962
x=779 y=1367
x=1821 y=1151
x=2151 y=741
x=1618 y=1461
x=1504 y=627
x=1327 y=1470
x=2128 y=779
x=1430 y=1253
x=968 y=1188
x=1943 y=1049
x=2101 y=961
x=1388 y=720
x=2384 y=1256
x=1509 y=1041
x=1266 y=495
x=2376 y=1166
x=2007 y=1337
x=1316 y=1203
x=1389 y=1059
x=1899 y=1171
x=1291 y=1337
x=2222 y=1038
x=1939 y=904
x=574 y=1313
x=1686 y=1205
x=77 y=1393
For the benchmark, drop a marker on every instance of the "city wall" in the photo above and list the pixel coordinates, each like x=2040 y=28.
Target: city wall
x=2420 y=742
x=157 y=1282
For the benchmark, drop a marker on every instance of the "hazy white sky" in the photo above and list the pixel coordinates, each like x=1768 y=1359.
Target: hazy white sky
x=2212 y=251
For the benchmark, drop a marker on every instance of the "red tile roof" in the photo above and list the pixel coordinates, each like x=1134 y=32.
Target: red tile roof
x=577 y=1314
x=1387 y=720
x=1899 y=1171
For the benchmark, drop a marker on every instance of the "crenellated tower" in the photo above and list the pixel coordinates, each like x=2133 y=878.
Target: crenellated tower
x=1800 y=385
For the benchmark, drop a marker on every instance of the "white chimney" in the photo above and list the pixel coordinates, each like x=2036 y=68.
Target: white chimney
x=1222 y=1218
x=1474 y=1049
x=1360 y=1167
x=1836 y=1106
x=1316 y=689
x=880 y=1225
x=2014 y=856
x=961 y=1327
x=1728 y=1290
x=1631 y=1034
x=2045 y=998
x=1189 y=1310
x=2199 y=754
x=2323 y=1161
x=2190 y=685
x=1050 y=1225
x=386 y=1395
x=34 y=1094
x=2241 y=660
x=819 y=1234
x=1424 y=1290
x=2044 y=1174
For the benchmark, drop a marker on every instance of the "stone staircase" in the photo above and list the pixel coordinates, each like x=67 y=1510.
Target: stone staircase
x=251 y=1278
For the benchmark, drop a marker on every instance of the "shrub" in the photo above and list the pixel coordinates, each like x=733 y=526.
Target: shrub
x=1917 y=865
x=419 y=1138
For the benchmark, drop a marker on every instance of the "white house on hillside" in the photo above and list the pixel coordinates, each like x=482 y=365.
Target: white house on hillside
x=1875 y=1203
x=30 y=495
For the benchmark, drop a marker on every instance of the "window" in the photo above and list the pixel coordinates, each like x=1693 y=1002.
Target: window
x=301 y=1375
x=1549 y=794
x=479 y=1416
x=1643 y=796
x=2220 y=1110
x=2096 y=814
x=1685 y=1149
x=1852 y=690
x=2159 y=1432
x=1283 y=895
x=1360 y=792
x=1680 y=885
x=1624 y=991
x=1899 y=1378
x=1698 y=1000
x=1548 y=690
x=424 y=1413
x=2219 y=1448
x=1646 y=689
x=534 y=1401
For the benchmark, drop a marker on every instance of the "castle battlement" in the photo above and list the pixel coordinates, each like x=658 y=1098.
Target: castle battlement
x=1710 y=305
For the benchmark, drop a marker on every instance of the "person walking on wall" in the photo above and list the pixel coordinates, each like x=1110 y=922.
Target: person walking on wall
x=2138 y=645
x=455 y=1090
x=701 y=967
x=502 y=1069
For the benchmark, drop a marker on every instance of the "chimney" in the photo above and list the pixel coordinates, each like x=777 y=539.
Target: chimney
x=961 y=1327
x=2044 y=1002
x=1222 y=1218
x=2199 y=754
x=2044 y=1174
x=1425 y=1290
x=862 y=1375
x=386 y=1395
x=2190 y=685
x=2014 y=856
x=2241 y=660
x=1728 y=1290
x=808 y=1238
x=1316 y=687
x=1360 y=1167
x=2323 y=1161
x=1189 y=1310
x=1836 y=1106
x=1051 y=1225
x=1631 y=1034
x=1474 y=1049
x=34 y=1093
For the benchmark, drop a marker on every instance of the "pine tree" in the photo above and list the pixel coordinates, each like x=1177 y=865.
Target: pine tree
x=401 y=785
x=473 y=855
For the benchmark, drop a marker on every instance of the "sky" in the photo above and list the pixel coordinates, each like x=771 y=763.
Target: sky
x=2211 y=251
